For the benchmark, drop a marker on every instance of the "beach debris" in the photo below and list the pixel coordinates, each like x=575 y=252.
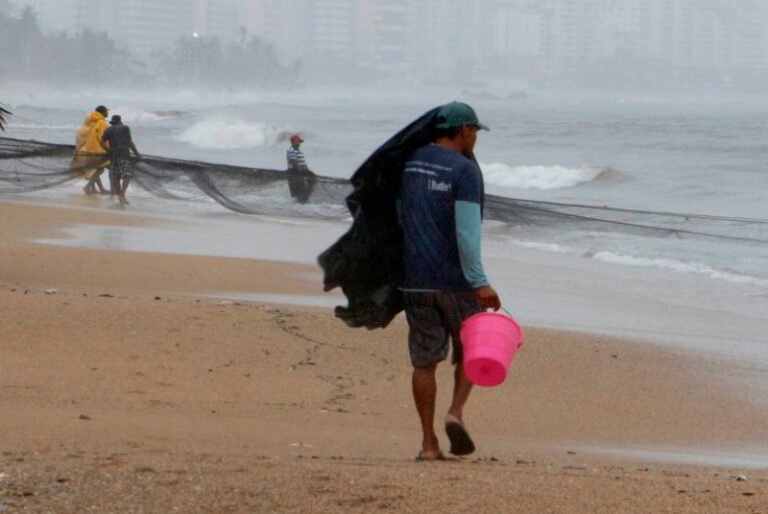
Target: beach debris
x=85 y=417
x=158 y=298
x=105 y=295
x=571 y=452
x=50 y=291
x=741 y=478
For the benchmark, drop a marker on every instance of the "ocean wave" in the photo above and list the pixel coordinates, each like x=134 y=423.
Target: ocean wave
x=231 y=135
x=131 y=114
x=679 y=266
x=663 y=263
x=42 y=126
x=539 y=177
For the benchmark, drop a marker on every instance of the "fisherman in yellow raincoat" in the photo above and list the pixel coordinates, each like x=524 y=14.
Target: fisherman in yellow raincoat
x=90 y=158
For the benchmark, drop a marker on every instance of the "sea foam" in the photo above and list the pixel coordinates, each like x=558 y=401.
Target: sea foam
x=663 y=263
x=538 y=177
x=229 y=135
x=680 y=267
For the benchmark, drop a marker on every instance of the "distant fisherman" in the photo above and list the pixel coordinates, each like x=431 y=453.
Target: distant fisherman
x=118 y=143
x=301 y=181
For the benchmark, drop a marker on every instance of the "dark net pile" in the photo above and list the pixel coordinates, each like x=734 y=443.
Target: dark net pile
x=28 y=166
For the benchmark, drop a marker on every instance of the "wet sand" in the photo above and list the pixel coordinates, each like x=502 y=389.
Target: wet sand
x=127 y=386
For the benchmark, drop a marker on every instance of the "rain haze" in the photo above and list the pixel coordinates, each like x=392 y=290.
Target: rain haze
x=501 y=47
x=652 y=105
x=624 y=170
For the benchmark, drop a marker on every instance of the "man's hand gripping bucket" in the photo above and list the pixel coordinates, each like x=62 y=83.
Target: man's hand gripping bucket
x=490 y=341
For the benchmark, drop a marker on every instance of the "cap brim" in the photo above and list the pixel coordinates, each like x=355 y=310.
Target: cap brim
x=482 y=126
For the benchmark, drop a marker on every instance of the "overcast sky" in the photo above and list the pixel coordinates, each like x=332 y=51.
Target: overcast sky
x=714 y=44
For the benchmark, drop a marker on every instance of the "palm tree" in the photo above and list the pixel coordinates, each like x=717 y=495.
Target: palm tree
x=3 y=114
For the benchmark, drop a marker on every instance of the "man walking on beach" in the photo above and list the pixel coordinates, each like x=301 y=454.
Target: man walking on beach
x=440 y=212
x=118 y=142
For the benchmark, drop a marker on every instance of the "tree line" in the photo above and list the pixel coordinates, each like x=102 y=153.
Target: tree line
x=91 y=57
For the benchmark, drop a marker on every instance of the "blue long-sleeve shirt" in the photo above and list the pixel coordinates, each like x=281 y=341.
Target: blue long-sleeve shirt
x=440 y=213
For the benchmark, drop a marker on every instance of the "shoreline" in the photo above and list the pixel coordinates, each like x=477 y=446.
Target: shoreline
x=117 y=375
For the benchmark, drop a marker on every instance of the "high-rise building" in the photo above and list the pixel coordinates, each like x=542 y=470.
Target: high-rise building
x=394 y=37
x=141 y=26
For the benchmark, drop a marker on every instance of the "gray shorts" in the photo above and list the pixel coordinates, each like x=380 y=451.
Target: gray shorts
x=121 y=168
x=432 y=317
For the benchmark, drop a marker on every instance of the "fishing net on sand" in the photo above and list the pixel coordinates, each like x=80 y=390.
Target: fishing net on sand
x=27 y=166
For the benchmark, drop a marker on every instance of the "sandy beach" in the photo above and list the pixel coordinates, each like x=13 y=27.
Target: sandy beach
x=129 y=384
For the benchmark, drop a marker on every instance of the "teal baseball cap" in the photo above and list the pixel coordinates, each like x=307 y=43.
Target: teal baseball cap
x=456 y=114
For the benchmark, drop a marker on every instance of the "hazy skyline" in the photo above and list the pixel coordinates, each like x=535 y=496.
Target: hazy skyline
x=521 y=43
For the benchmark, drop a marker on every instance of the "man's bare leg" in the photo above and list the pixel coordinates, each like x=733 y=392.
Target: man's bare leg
x=461 y=389
x=90 y=188
x=114 y=185
x=123 y=189
x=424 y=384
x=461 y=442
x=99 y=183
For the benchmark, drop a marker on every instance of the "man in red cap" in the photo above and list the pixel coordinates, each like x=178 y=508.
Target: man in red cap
x=295 y=156
x=301 y=181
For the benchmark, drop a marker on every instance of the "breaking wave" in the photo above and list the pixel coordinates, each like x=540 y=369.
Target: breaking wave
x=231 y=135
x=539 y=177
x=132 y=114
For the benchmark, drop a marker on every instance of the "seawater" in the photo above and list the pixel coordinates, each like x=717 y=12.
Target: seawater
x=651 y=153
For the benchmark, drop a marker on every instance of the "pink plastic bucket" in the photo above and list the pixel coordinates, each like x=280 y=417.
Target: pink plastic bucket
x=490 y=341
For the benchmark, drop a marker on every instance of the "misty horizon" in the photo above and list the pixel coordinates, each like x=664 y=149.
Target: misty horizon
x=505 y=47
